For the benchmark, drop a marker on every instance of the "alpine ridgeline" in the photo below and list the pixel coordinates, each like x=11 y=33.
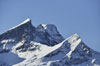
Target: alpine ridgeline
x=26 y=45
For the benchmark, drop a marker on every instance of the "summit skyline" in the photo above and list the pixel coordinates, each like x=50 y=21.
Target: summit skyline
x=75 y=16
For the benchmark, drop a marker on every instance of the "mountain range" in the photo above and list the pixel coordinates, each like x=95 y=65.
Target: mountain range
x=27 y=45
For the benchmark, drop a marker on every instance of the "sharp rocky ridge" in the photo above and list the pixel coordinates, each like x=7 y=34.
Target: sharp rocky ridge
x=27 y=45
x=46 y=34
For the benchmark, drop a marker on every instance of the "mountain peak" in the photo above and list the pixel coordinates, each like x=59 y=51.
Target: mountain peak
x=27 y=21
x=47 y=26
x=44 y=26
x=50 y=33
x=73 y=38
x=75 y=35
x=17 y=31
x=44 y=46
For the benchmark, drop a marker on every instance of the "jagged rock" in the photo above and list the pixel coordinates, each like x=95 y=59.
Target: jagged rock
x=26 y=32
x=48 y=34
x=27 y=45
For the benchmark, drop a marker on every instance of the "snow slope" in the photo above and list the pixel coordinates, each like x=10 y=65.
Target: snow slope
x=26 y=45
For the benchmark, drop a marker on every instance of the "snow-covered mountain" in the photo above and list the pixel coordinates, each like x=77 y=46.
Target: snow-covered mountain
x=27 y=45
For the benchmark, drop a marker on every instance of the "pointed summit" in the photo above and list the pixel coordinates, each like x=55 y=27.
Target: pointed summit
x=44 y=46
x=17 y=31
x=75 y=35
x=27 y=21
x=73 y=38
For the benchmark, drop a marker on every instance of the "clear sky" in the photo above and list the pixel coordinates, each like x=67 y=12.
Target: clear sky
x=70 y=16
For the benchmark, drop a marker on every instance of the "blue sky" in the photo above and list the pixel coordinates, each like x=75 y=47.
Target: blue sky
x=70 y=16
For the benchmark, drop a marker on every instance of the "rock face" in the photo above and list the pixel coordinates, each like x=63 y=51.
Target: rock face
x=26 y=32
x=48 y=34
x=27 y=45
x=19 y=31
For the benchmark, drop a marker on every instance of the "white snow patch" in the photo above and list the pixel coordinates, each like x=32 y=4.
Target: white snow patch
x=37 y=54
x=73 y=38
x=4 y=42
x=27 y=20
x=8 y=40
x=17 y=45
x=44 y=26
x=93 y=61
x=74 y=41
x=73 y=46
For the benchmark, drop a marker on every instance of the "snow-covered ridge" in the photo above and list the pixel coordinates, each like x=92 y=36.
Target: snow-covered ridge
x=47 y=32
x=26 y=45
x=73 y=38
x=24 y=22
x=27 y=20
